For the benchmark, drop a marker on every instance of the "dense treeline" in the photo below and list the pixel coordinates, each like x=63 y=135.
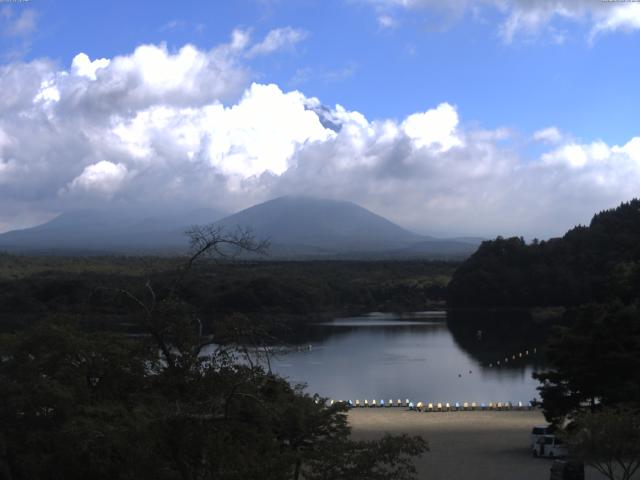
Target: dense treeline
x=83 y=289
x=588 y=264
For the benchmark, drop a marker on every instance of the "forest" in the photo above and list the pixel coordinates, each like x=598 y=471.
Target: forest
x=82 y=288
x=594 y=263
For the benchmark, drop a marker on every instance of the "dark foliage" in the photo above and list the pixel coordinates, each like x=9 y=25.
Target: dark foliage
x=77 y=404
x=82 y=289
x=594 y=363
x=588 y=264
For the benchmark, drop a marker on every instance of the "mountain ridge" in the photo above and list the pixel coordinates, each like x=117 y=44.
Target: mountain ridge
x=296 y=226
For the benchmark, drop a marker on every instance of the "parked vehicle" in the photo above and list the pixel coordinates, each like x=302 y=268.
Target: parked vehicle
x=537 y=433
x=550 y=446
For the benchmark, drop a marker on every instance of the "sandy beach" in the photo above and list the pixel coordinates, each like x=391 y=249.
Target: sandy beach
x=464 y=445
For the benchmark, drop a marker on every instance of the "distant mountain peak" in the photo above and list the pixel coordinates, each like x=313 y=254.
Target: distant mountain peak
x=327 y=224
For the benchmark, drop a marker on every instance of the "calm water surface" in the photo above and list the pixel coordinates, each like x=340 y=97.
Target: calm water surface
x=412 y=356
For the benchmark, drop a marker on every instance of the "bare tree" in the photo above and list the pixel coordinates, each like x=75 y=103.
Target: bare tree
x=164 y=317
x=213 y=240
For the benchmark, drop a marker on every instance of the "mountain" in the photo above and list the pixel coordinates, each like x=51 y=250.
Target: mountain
x=91 y=231
x=303 y=226
x=296 y=227
x=321 y=224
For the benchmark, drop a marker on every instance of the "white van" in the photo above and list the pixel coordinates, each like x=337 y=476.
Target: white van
x=537 y=433
x=550 y=446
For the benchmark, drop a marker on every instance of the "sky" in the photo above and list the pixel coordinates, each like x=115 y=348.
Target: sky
x=464 y=117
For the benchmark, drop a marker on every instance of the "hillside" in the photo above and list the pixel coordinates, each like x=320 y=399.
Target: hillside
x=599 y=262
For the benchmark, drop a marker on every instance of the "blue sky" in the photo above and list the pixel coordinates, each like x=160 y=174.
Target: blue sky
x=547 y=85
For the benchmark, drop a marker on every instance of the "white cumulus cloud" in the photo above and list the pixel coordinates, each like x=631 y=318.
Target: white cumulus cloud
x=103 y=177
x=436 y=126
x=83 y=66
x=623 y=16
x=159 y=127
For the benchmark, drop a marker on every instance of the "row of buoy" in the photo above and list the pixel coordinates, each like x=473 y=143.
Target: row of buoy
x=439 y=406
x=513 y=357
x=376 y=403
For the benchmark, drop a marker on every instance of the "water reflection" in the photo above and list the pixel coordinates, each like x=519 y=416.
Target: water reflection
x=421 y=356
x=504 y=334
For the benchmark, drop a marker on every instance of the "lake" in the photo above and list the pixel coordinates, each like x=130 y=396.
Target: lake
x=420 y=356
